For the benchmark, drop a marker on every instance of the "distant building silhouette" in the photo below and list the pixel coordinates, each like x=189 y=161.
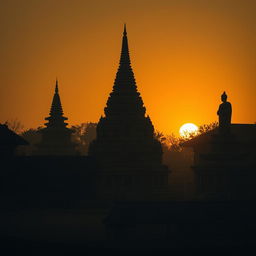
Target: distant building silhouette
x=9 y=140
x=129 y=156
x=224 y=160
x=56 y=137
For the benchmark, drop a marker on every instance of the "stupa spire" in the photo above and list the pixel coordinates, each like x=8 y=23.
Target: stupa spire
x=125 y=33
x=124 y=77
x=125 y=88
x=57 y=86
x=56 y=108
x=56 y=112
x=125 y=57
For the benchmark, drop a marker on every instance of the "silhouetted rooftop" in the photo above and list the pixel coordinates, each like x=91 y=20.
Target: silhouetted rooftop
x=244 y=133
x=8 y=137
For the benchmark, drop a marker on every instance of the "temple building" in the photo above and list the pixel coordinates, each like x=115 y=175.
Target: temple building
x=128 y=155
x=56 y=137
x=224 y=159
x=9 y=141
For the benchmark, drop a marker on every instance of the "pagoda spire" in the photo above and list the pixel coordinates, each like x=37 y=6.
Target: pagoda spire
x=125 y=57
x=56 y=117
x=124 y=75
x=125 y=88
x=57 y=86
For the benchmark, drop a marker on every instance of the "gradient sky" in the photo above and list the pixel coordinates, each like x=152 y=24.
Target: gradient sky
x=184 y=54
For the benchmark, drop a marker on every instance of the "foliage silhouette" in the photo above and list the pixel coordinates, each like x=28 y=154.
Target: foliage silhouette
x=83 y=134
x=33 y=137
x=171 y=142
x=15 y=125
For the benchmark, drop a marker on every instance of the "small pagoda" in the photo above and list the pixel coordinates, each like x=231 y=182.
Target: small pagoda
x=56 y=137
x=129 y=156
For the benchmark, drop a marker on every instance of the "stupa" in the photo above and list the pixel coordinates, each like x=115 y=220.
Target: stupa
x=129 y=156
x=56 y=137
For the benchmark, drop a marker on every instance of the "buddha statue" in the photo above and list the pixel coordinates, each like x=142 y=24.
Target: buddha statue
x=224 y=113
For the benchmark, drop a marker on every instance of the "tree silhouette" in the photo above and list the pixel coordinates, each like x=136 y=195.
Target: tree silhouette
x=207 y=127
x=160 y=136
x=83 y=134
x=33 y=137
x=171 y=142
x=15 y=125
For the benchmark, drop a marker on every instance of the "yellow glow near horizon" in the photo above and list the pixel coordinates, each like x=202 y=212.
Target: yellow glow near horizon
x=187 y=129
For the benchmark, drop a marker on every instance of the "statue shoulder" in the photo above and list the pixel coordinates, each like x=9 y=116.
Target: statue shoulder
x=229 y=104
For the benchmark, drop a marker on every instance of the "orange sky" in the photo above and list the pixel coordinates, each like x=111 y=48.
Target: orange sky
x=184 y=54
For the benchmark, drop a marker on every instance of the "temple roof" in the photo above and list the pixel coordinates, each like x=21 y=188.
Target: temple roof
x=10 y=138
x=244 y=133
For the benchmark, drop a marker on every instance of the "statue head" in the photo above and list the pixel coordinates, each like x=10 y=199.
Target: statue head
x=224 y=97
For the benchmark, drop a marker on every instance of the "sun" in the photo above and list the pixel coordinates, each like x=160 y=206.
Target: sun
x=187 y=129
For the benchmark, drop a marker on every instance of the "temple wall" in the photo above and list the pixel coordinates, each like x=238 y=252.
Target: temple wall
x=46 y=181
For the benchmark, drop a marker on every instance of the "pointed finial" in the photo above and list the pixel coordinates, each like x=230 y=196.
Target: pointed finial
x=124 y=50
x=124 y=33
x=56 y=87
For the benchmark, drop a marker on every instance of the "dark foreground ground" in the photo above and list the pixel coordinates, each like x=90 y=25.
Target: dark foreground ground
x=14 y=246
x=141 y=228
